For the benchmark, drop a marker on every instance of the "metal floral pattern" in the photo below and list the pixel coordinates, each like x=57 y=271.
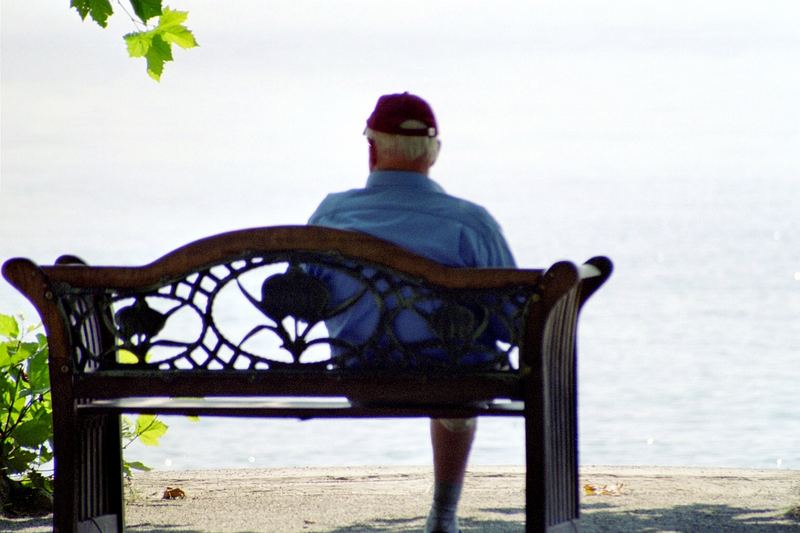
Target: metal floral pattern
x=283 y=310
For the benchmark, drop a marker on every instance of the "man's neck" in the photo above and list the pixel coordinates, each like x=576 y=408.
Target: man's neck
x=401 y=166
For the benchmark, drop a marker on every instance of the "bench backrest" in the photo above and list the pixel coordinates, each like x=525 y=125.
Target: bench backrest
x=255 y=303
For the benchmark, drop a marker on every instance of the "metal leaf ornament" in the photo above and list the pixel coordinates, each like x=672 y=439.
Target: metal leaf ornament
x=454 y=323
x=139 y=320
x=294 y=294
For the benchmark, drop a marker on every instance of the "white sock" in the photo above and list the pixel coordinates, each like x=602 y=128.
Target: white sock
x=445 y=504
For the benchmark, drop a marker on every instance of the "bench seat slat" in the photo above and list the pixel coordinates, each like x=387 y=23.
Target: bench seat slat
x=291 y=408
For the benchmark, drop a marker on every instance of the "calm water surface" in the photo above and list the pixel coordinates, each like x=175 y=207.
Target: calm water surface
x=687 y=357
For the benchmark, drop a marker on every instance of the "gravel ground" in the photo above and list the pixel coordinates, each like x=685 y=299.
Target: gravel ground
x=372 y=499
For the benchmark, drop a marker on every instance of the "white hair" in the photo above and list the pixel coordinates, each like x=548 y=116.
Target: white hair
x=410 y=147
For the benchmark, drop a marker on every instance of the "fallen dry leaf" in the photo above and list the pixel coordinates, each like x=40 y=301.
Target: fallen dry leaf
x=590 y=489
x=173 y=493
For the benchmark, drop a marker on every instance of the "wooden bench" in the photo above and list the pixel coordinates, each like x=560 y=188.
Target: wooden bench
x=231 y=325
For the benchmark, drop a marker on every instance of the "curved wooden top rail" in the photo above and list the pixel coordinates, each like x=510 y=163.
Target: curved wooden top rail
x=225 y=246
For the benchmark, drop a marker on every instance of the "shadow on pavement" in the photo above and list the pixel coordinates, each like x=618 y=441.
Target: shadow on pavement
x=695 y=518
x=38 y=523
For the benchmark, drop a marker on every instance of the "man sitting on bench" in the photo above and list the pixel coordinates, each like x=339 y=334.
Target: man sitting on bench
x=401 y=204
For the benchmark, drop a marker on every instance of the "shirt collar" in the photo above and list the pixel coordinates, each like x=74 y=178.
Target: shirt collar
x=402 y=178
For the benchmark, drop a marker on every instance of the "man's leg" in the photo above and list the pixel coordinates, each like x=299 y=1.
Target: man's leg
x=452 y=441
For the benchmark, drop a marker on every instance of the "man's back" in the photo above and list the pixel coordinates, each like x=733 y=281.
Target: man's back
x=413 y=211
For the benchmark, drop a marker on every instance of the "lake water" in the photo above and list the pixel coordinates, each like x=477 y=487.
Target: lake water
x=688 y=356
x=663 y=135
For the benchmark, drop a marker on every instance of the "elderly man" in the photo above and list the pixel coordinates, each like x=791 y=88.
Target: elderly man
x=400 y=203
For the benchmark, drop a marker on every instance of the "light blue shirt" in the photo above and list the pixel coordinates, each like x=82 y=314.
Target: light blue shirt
x=413 y=211
x=410 y=210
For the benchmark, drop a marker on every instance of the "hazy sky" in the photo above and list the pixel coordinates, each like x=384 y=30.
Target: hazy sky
x=255 y=125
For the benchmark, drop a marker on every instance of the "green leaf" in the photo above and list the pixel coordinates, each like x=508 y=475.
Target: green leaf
x=7 y=385
x=99 y=10
x=18 y=404
x=5 y=358
x=19 y=460
x=138 y=43
x=159 y=53
x=156 y=45
x=32 y=433
x=150 y=429
x=14 y=353
x=171 y=28
x=137 y=465
x=181 y=36
x=146 y=9
x=82 y=6
x=126 y=429
x=172 y=18
x=24 y=350
x=36 y=480
x=38 y=370
x=8 y=326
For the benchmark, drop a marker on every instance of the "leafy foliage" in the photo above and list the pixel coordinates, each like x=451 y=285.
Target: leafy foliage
x=152 y=43
x=156 y=45
x=26 y=410
x=26 y=420
x=148 y=429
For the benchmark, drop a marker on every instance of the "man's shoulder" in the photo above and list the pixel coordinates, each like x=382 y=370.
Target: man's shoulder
x=436 y=203
x=439 y=204
x=336 y=201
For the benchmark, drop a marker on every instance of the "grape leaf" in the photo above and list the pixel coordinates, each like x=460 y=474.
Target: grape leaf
x=19 y=460
x=156 y=45
x=171 y=28
x=5 y=358
x=38 y=370
x=8 y=326
x=172 y=18
x=160 y=52
x=149 y=429
x=181 y=36
x=146 y=9
x=99 y=10
x=34 y=432
x=138 y=465
x=22 y=351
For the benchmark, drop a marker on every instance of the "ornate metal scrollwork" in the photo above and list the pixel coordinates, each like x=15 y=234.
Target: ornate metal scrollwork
x=309 y=309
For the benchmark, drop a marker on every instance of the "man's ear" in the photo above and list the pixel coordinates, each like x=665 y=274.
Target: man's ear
x=373 y=156
x=438 y=149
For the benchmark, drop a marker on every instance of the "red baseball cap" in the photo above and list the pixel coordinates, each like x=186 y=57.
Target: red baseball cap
x=394 y=109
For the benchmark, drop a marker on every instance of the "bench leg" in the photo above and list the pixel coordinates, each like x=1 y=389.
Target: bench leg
x=100 y=474
x=535 y=474
x=64 y=494
x=88 y=485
